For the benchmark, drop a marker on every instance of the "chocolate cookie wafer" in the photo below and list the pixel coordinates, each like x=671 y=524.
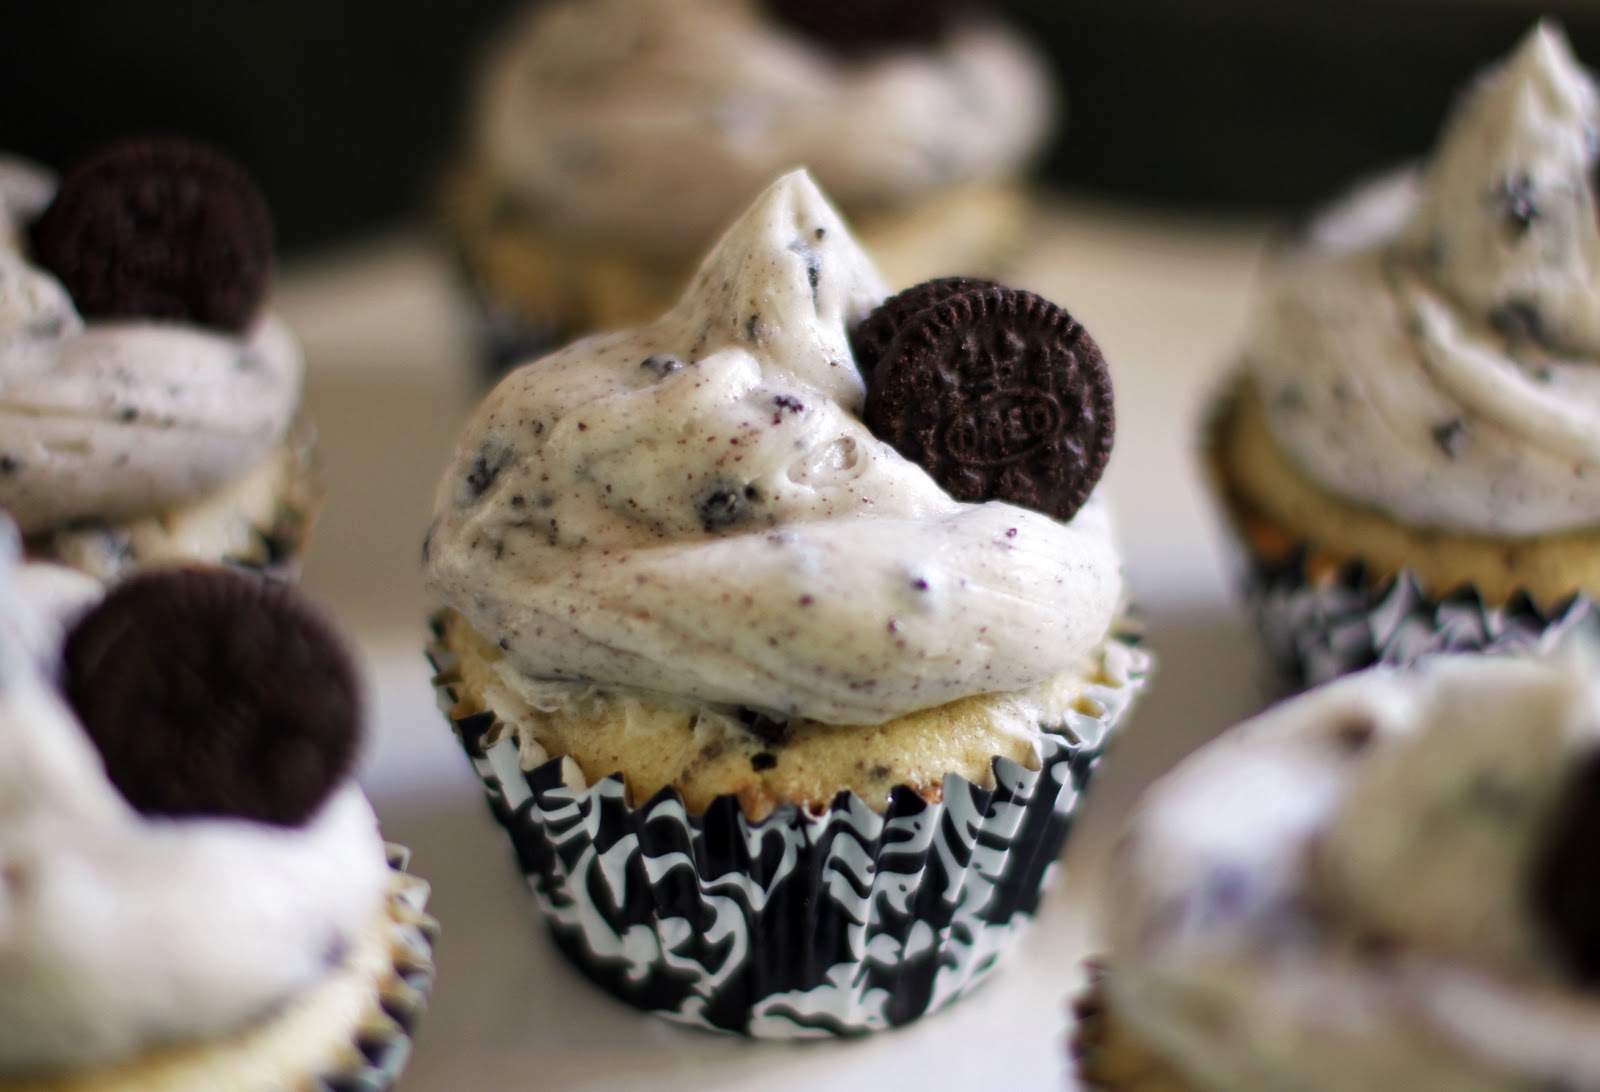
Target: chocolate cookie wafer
x=209 y=692
x=998 y=393
x=160 y=228
x=872 y=338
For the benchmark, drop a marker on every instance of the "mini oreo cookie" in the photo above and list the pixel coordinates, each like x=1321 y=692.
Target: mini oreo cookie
x=159 y=228
x=996 y=392
x=872 y=338
x=210 y=693
x=871 y=26
x=1564 y=893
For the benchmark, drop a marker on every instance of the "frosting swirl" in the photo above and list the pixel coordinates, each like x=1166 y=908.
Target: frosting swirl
x=606 y=112
x=119 y=932
x=1336 y=895
x=1431 y=348
x=115 y=420
x=693 y=507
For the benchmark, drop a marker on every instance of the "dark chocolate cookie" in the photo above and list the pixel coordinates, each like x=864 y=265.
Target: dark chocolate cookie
x=1564 y=893
x=870 y=340
x=211 y=693
x=871 y=26
x=163 y=229
x=996 y=392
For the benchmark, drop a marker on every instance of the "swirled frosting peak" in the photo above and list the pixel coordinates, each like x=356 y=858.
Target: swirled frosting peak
x=1432 y=347
x=1506 y=209
x=693 y=507
x=1344 y=893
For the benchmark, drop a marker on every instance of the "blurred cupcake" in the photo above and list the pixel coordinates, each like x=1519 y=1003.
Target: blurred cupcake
x=613 y=139
x=787 y=736
x=1411 y=453
x=196 y=894
x=149 y=402
x=1384 y=883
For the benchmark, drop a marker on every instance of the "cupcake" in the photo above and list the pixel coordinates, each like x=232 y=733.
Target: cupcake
x=1411 y=449
x=788 y=728
x=149 y=401
x=1387 y=882
x=612 y=139
x=196 y=893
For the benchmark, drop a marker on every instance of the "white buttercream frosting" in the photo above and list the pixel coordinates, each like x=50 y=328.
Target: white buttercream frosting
x=115 y=420
x=120 y=932
x=652 y=121
x=1337 y=894
x=694 y=507
x=1431 y=347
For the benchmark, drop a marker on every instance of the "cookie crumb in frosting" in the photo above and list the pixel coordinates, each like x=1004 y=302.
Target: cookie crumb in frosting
x=1450 y=436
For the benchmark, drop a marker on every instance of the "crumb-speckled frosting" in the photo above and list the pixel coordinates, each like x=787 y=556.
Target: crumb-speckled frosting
x=1431 y=348
x=693 y=507
x=121 y=419
x=652 y=121
x=1337 y=895
x=120 y=932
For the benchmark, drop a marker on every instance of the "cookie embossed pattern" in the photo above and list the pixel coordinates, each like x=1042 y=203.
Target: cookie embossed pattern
x=788 y=718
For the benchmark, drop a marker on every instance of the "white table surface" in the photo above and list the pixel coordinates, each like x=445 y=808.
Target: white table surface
x=389 y=384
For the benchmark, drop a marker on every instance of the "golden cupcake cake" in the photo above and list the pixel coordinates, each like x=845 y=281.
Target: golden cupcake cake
x=785 y=630
x=611 y=141
x=1387 y=882
x=149 y=399
x=1411 y=450
x=196 y=894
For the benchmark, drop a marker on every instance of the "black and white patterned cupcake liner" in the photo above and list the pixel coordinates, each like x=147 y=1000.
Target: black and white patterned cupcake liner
x=807 y=923
x=1318 y=629
x=381 y=1045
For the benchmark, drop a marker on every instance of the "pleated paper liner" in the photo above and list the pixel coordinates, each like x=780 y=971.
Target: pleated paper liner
x=1321 y=614
x=1108 y=1057
x=807 y=923
x=349 y=1033
x=1318 y=624
x=381 y=1047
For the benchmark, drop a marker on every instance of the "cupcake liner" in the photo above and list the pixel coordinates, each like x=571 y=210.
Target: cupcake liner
x=381 y=1044
x=1319 y=626
x=506 y=335
x=1108 y=1057
x=507 y=340
x=807 y=923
